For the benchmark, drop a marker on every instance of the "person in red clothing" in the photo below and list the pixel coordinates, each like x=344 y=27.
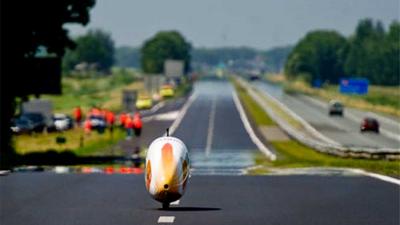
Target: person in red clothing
x=137 y=124
x=77 y=115
x=110 y=119
x=87 y=126
x=128 y=126
x=122 y=119
x=95 y=112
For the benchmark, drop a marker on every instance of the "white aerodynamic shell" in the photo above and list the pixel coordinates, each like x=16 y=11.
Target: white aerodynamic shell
x=167 y=169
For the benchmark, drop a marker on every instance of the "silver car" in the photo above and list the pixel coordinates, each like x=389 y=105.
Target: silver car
x=336 y=108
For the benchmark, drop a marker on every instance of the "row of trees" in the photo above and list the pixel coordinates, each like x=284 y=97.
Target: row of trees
x=164 y=45
x=97 y=50
x=94 y=48
x=371 y=52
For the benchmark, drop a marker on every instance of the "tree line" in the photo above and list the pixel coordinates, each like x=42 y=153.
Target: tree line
x=372 y=52
x=97 y=48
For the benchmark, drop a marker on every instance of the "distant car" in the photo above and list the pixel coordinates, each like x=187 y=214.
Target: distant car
x=167 y=91
x=61 y=122
x=21 y=126
x=369 y=124
x=97 y=123
x=37 y=120
x=254 y=77
x=144 y=102
x=336 y=108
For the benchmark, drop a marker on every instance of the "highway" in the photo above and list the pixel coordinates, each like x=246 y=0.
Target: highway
x=344 y=130
x=217 y=193
x=214 y=133
x=97 y=199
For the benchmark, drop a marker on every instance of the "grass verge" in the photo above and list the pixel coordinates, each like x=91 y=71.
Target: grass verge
x=76 y=142
x=292 y=154
x=102 y=91
x=251 y=107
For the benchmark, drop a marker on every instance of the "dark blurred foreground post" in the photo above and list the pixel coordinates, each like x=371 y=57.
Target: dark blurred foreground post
x=32 y=43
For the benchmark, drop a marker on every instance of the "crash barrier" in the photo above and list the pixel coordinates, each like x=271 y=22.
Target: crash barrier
x=311 y=137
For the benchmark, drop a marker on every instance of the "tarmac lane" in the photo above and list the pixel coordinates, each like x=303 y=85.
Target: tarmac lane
x=47 y=198
x=214 y=132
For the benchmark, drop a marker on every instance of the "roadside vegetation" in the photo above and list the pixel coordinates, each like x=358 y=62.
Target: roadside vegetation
x=76 y=142
x=371 y=52
x=255 y=111
x=87 y=91
x=380 y=99
x=292 y=154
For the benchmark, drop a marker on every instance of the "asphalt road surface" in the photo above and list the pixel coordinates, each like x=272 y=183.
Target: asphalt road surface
x=344 y=130
x=214 y=133
x=45 y=198
x=216 y=193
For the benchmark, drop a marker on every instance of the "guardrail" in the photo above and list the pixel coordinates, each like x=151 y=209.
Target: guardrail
x=316 y=140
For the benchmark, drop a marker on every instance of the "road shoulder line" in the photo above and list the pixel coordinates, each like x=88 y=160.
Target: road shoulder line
x=250 y=130
x=182 y=114
x=376 y=176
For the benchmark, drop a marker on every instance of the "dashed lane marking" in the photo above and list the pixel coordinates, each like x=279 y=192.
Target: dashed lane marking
x=210 y=133
x=166 y=219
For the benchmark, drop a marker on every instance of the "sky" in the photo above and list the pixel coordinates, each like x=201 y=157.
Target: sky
x=260 y=24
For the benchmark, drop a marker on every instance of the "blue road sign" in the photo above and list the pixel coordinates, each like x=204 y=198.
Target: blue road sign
x=354 y=86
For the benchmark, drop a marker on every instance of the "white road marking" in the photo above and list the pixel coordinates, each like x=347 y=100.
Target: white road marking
x=182 y=113
x=4 y=172
x=175 y=202
x=250 y=130
x=166 y=219
x=377 y=176
x=167 y=116
x=155 y=108
x=210 y=132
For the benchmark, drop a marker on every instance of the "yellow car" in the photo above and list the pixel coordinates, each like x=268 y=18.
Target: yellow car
x=167 y=91
x=144 y=102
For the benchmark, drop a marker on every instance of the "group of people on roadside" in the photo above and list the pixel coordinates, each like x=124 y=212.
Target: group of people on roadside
x=132 y=123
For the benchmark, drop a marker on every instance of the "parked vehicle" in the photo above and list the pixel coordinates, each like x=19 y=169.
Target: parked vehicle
x=369 y=124
x=61 y=122
x=21 y=126
x=37 y=119
x=144 y=102
x=336 y=108
x=97 y=123
x=167 y=91
x=29 y=122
